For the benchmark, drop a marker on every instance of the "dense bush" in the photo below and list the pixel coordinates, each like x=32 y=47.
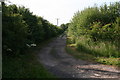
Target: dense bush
x=97 y=29
x=64 y=26
x=21 y=29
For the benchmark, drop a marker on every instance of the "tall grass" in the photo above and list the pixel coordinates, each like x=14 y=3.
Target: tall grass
x=102 y=52
x=106 y=49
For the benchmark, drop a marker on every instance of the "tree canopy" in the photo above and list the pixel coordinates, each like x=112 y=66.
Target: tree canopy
x=21 y=29
x=97 y=24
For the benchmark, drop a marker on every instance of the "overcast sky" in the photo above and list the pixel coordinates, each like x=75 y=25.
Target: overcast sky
x=62 y=9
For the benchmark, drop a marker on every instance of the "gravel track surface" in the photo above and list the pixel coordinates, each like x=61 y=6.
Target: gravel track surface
x=55 y=59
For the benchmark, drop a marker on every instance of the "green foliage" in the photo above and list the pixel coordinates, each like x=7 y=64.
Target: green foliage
x=14 y=32
x=64 y=26
x=108 y=61
x=83 y=54
x=21 y=29
x=96 y=30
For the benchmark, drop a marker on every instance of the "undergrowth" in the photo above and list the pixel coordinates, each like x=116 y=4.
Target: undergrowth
x=95 y=53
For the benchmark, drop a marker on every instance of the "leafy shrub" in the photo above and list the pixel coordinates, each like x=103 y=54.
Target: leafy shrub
x=21 y=28
x=96 y=30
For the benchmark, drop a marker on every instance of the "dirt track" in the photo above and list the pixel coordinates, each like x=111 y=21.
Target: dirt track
x=58 y=62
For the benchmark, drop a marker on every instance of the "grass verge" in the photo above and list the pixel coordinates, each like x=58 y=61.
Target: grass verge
x=71 y=49
x=26 y=65
x=79 y=55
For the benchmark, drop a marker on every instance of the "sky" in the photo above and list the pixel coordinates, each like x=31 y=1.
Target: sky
x=61 y=9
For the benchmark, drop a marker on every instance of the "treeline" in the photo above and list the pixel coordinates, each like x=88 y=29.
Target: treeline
x=64 y=26
x=96 y=30
x=22 y=29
